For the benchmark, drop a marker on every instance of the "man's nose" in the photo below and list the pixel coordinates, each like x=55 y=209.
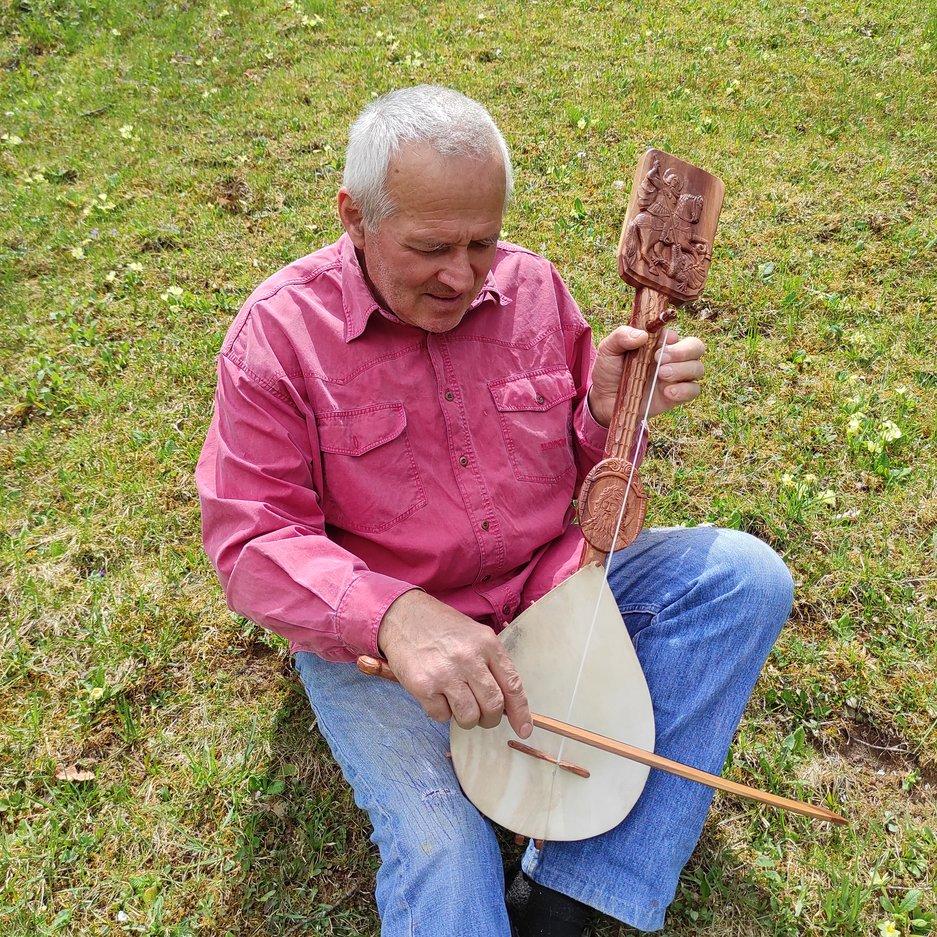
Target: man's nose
x=457 y=274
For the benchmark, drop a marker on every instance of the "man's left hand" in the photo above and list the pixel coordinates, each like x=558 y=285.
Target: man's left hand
x=677 y=381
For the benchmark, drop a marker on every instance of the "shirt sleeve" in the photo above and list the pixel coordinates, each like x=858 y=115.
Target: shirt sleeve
x=263 y=527
x=589 y=435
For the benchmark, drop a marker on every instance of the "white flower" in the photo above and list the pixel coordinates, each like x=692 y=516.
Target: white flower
x=11 y=139
x=77 y=252
x=888 y=929
x=890 y=431
x=855 y=424
x=126 y=131
x=135 y=267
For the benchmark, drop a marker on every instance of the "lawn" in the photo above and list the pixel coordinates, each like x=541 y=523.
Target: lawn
x=160 y=771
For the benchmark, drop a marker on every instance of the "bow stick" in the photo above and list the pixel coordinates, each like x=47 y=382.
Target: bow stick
x=378 y=668
x=664 y=252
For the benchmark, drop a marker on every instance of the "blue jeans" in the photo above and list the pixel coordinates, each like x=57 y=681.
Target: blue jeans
x=703 y=607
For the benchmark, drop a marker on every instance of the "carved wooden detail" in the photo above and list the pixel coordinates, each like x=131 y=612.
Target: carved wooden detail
x=666 y=242
x=664 y=251
x=600 y=503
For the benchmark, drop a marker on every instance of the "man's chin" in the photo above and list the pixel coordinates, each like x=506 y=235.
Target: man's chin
x=435 y=319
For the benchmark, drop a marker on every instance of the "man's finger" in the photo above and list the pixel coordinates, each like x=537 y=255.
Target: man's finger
x=682 y=371
x=624 y=338
x=489 y=697
x=464 y=706
x=687 y=349
x=516 y=707
x=682 y=393
x=437 y=708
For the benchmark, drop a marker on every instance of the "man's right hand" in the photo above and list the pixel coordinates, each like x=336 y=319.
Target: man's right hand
x=453 y=666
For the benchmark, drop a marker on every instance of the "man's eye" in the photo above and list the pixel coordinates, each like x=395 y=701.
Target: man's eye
x=430 y=250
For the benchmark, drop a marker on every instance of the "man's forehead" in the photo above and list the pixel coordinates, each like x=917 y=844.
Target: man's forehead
x=421 y=159
x=448 y=198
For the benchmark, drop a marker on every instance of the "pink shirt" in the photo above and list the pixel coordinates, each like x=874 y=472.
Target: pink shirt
x=352 y=457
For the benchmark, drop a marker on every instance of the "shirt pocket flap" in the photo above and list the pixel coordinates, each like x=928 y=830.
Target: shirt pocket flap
x=355 y=432
x=536 y=391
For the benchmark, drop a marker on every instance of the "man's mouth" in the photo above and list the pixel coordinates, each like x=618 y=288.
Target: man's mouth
x=446 y=299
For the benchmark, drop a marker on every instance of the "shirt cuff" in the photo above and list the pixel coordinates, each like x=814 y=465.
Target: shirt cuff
x=362 y=608
x=592 y=434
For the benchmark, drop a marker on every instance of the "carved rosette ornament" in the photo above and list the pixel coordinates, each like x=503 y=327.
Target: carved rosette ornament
x=600 y=501
x=664 y=252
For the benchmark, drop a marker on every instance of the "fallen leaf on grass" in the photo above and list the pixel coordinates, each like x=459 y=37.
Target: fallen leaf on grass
x=73 y=773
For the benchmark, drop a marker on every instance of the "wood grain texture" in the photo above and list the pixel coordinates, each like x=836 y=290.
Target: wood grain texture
x=667 y=238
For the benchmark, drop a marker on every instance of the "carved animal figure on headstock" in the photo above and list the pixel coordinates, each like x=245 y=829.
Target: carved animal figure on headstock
x=660 y=238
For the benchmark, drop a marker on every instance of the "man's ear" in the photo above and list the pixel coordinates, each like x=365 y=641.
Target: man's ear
x=351 y=217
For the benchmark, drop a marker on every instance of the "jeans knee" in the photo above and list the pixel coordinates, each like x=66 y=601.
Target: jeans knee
x=756 y=576
x=441 y=836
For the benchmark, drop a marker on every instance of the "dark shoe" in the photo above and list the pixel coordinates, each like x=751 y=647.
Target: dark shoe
x=516 y=895
x=538 y=911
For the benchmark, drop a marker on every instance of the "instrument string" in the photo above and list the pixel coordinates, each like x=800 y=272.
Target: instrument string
x=642 y=431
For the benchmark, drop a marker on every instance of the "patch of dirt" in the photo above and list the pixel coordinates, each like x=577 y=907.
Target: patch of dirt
x=17 y=416
x=159 y=242
x=864 y=744
x=234 y=195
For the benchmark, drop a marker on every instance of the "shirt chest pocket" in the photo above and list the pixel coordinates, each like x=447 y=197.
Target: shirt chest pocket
x=536 y=423
x=370 y=477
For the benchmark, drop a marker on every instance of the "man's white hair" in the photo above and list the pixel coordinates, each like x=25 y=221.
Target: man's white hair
x=446 y=120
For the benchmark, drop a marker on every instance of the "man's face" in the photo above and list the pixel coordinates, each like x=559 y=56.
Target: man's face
x=428 y=260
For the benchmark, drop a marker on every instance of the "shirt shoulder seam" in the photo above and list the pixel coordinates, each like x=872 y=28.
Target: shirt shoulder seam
x=295 y=281
x=265 y=382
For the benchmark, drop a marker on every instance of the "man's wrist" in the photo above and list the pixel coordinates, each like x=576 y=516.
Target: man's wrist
x=395 y=611
x=596 y=416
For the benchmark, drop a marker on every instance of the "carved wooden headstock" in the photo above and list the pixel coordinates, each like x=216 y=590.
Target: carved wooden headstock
x=667 y=238
x=664 y=252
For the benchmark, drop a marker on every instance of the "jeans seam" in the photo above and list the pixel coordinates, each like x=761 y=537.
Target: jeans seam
x=362 y=780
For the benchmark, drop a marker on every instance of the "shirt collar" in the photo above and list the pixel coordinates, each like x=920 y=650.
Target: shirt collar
x=359 y=303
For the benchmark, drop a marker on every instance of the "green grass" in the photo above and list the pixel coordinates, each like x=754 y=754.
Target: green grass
x=159 y=159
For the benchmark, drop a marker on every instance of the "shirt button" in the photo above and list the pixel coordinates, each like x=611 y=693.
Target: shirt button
x=485 y=525
x=505 y=609
x=450 y=395
x=539 y=398
x=463 y=461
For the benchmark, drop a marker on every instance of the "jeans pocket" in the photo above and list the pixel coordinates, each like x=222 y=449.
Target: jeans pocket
x=536 y=422
x=370 y=477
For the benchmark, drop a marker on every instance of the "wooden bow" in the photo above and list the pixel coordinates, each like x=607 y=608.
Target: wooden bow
x=571 y=648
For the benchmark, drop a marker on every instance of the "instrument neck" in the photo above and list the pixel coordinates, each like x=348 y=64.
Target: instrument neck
x=649 y=313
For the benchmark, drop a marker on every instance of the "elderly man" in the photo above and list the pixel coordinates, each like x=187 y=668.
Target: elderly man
x=401 y=423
